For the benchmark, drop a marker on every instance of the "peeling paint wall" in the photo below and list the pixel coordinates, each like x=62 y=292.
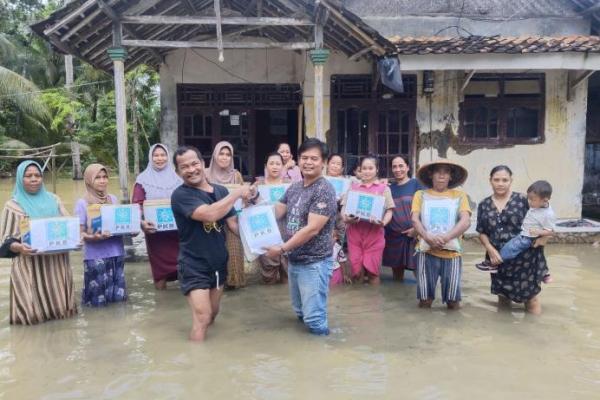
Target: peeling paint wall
x=560 y=159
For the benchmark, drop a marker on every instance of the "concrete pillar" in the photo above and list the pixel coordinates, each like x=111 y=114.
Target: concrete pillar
x=319 y=58
x=118 y=56
x=168 y=109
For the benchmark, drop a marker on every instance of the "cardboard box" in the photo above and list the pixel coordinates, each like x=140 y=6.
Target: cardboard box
x=341 y=185
x=118 y=219
x=258 y=229
x=51 y=235
x=159 y=212
x=272 y=193
x=366 y=206
x=239 y=204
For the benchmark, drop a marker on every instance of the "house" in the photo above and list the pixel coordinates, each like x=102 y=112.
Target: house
x=486 y=82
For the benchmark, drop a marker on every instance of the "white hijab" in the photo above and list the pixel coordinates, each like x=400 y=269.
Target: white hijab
x=159 y=183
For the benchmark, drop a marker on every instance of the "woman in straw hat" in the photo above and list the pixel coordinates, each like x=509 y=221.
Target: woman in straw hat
x=440 y=214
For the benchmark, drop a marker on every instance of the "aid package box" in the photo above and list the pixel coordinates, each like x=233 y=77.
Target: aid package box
x=117 y=219
x=258 y=229
x=272 y=193
x=159 y=212
x=366 y=206
x=238 y=205
x=341 y=185
x=51 y=235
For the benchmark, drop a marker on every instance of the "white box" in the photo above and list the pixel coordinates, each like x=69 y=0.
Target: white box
x=366 y=206
x=118 y=219
x=272 y=193
x=239 y=204
x=258 y=229
x=159 y=212
x=341 y=185
x=51 y=235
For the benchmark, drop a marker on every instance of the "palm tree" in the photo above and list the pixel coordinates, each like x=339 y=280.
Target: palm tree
x=17 y=89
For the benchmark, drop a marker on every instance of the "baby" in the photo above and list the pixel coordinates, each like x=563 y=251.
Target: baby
x=538 y=222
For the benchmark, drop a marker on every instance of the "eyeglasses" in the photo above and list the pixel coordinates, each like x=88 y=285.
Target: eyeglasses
x=208 y=227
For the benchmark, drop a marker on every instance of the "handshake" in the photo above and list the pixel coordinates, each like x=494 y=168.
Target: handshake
x=246 y=191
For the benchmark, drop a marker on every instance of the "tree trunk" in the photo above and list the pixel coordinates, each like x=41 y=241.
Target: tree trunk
x=75 y=148
x=76 y=155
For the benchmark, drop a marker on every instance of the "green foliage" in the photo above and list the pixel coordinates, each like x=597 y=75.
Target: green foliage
x=48 y=113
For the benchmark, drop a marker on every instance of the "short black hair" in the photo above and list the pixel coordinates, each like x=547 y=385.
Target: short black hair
x=372 y=158
x=403 y=158
x=273 y=154
x=541 y=188
x=181 y=150
x=336 y=155
x=314 y=143
x=499 y=168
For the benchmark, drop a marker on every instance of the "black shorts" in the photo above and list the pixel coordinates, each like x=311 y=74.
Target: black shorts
x=199 y=276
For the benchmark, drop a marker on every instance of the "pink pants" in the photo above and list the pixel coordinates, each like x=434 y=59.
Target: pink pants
x=337 y=278
x=366 y=242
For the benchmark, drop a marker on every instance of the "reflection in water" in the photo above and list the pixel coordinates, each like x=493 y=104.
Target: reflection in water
x=382 y=345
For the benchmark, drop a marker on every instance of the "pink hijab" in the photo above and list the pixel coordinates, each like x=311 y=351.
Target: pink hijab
x=215 y=173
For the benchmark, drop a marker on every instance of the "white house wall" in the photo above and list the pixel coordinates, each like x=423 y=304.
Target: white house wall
x=559 y=159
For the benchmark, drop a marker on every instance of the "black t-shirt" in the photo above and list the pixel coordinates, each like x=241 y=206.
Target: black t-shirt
x=201 y=244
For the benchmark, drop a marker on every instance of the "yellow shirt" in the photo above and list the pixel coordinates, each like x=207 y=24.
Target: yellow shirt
x=417 y=203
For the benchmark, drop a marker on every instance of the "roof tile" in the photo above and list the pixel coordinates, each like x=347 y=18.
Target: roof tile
x=495 y=44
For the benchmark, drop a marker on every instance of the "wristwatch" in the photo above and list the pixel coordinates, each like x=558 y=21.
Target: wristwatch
x=284 y=252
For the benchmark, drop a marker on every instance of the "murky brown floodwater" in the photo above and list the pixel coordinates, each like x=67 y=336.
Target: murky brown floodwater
x=382 y=345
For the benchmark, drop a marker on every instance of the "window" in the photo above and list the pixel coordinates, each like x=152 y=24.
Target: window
x=503 y=109
x=371 y=119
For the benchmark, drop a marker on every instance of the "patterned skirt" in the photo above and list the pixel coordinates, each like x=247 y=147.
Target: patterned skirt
x=103 y=281
x=399 y=252
x=236 y=277
x=41 y=289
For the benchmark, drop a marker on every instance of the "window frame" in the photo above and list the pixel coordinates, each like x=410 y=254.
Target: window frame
x=503 y=104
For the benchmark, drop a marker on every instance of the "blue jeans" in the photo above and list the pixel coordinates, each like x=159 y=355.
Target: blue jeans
x=515 y=246
x=309 y=288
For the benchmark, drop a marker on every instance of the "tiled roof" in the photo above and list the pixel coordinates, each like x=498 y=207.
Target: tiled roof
x=495 y=44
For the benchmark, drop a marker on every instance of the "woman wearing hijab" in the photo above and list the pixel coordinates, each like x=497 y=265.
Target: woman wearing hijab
x=157 y=182
x=221 y=171
x=41 y=286
x=104 y=255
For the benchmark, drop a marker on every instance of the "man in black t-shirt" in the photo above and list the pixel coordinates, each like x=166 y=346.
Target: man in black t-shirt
x=309 y=207
x=201 y=210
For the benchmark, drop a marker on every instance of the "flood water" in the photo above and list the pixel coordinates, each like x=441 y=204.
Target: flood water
x=381 y=346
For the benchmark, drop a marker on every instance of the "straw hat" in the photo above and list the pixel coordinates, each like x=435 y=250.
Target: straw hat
x=458 y=174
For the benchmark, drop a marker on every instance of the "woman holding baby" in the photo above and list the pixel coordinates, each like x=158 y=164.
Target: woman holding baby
x=499 y=219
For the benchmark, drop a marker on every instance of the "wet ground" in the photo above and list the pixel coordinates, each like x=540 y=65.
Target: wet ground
x=382 y=346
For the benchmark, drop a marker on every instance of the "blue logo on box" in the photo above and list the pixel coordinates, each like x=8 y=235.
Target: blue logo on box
x=338 y=185
x=277 y=193
x=56 y=231
x=259 y=222
x=122 y=216
x=165 y=215
x=365 y=204
x=439 y=216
